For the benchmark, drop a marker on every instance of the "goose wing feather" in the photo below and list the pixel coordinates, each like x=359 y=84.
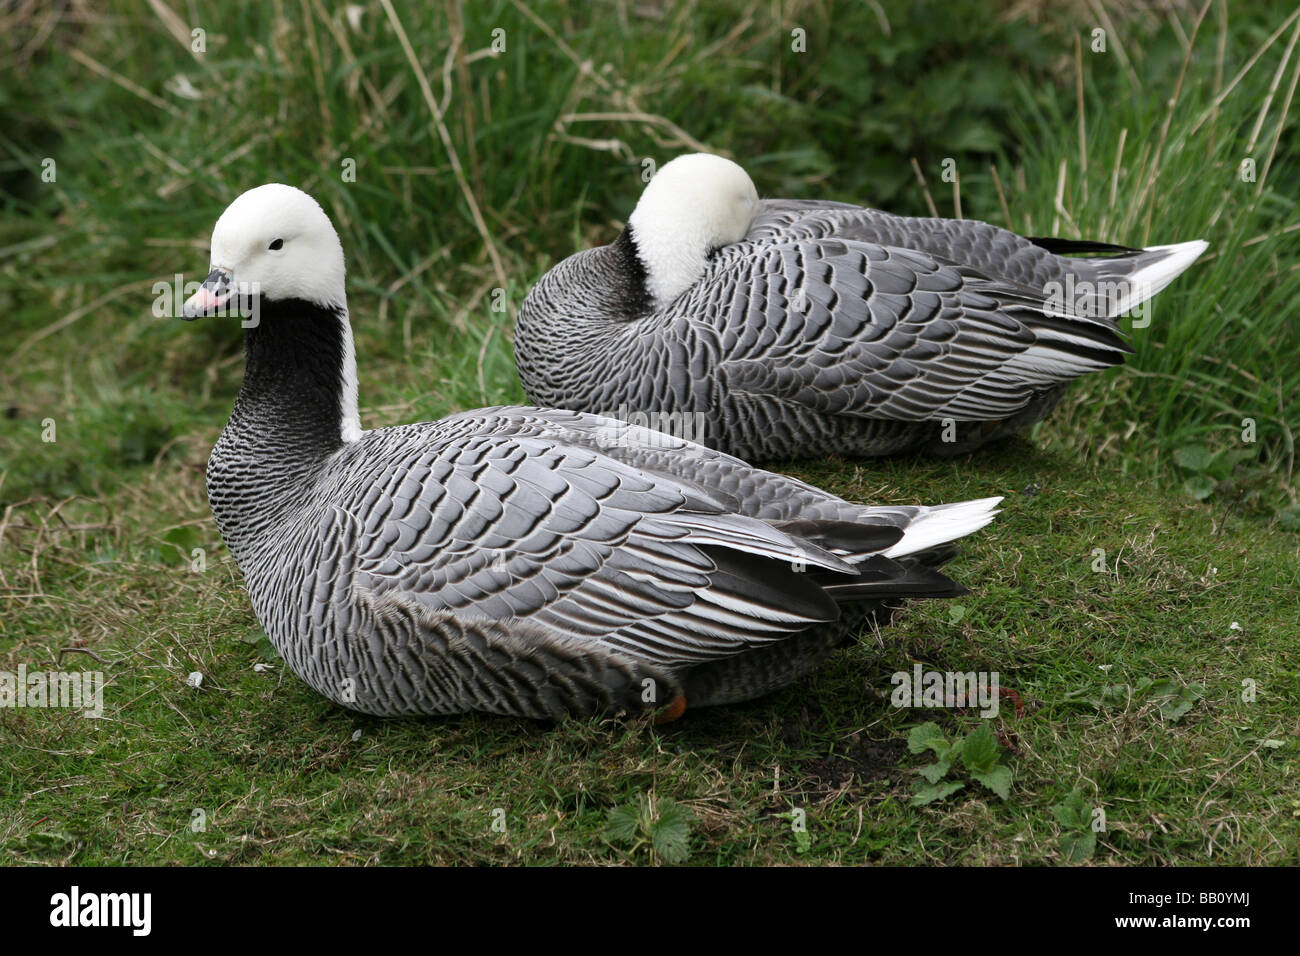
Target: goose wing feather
x=850 y=327
x=809 y=513
x=516 y=526
x=995 y=252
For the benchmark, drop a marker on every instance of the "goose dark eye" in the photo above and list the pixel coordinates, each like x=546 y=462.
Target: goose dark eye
x=276 y=244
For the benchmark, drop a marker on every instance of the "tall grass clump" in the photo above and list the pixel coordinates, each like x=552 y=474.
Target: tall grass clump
x=1211 y=399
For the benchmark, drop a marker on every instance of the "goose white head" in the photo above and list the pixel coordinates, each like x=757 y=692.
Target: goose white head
x=274 y=241
x=695 y=204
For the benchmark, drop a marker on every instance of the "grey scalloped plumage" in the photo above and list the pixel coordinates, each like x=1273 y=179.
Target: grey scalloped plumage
x=801 y=328
x=517 y=561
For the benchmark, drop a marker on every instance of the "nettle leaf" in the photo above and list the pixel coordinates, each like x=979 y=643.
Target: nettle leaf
x=802 y=838
x=256 y=637
x=1226 y=461
x=1193 y=458
x=980 y=750
x=1071 y=812
x=954 y=752
x=184 y=538
x=998 y=780
x=934 y=772
x=670 y=835
x=928 y=736
x=623 y=824
x=1199 y=487
x=1180 y=699
x=1163 y=687
x=1078 y=847
x=49 y=839
x=1117 y=694
x=1187 y=698
x=1174 y=711
x=925 y=795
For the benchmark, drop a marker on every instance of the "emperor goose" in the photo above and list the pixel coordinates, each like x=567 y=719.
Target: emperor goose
x=800 y=328
x=515 y=560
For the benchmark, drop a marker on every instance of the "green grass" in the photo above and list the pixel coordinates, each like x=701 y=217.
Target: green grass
x=98 y=527
x=280 y=778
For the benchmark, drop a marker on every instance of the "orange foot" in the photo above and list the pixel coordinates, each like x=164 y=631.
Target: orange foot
x=675 y=709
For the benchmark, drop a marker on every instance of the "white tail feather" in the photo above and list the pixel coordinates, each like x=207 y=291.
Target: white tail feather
x=943 y=523
x=1147 y=281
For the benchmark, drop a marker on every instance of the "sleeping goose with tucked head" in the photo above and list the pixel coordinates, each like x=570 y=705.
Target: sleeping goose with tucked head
x=517 y=561
x=800 y=328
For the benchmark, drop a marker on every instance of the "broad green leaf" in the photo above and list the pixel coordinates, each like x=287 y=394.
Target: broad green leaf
x=980 y=750
x=1071 y=812
x=185 y=538
x=670 y=834
x=1199 y=487
x=954 y=752
x=927 y=736
x=256 y=637
x=623 y=825
x=936 y=792
x=1078 y=847
x=998 y=780
x=1116 y=694
x=1193 y=457
x=934 y=772
x=1175 y=710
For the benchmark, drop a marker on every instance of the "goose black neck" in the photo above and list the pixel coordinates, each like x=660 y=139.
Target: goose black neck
x=631 y=297
x=292 y=396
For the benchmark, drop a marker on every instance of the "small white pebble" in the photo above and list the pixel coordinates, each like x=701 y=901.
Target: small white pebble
x=356 y=735
x=195 y=679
